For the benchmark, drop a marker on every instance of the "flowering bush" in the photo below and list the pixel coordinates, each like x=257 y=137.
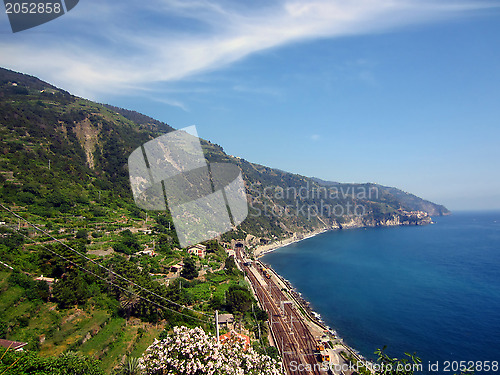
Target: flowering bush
x=192 y=351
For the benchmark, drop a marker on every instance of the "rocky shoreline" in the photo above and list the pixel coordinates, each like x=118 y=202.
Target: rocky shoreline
x=396 y=219
x=314 y=321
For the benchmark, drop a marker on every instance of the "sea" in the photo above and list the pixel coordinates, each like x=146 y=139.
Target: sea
x=433 y=290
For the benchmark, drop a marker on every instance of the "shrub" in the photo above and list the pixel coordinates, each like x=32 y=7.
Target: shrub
x=194 y=352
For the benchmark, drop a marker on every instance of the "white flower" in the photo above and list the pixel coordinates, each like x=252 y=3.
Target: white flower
x=194 y=352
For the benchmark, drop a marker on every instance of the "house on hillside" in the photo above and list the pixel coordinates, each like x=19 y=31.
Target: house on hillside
x=226 y=321
x=48 y=280
x=176 y=267
x=12 y=345
x=149 y=251
x=198 y=250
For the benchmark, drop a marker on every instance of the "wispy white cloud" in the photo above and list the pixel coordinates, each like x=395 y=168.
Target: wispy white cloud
x=171 y=102
x=116 y=46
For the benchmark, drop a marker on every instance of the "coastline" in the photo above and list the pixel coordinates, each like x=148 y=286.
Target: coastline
x=418 y=218
x=312 y=318
x=262 y=250
x=321 y=330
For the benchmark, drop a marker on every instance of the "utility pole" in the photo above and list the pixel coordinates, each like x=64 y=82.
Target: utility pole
x=258 y=323
x=49 y=164
x=291 y=324
x=217 y=324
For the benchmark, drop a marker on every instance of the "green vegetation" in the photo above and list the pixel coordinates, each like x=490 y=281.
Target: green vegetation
x=63 y=168
x=85 y=313
x=359 y=365
x=189 y=270
x=127 y=244
x=408 y=365
x=64 y=160
x=239 y=299
x=27 y=363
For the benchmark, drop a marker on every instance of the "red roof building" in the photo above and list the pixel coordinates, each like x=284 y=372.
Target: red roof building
x=13 y=345
x=198 y=250
x=232 y=335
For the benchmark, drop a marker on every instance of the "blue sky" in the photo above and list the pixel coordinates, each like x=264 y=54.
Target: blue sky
x=402 y=93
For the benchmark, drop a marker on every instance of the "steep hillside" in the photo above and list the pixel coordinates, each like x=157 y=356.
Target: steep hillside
x=63 y=167
x=86 y=146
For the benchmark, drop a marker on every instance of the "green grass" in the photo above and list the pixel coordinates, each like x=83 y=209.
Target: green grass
x=221 y=290
x=217 y=277
x=145 y=340
x=21 y=308
x=8 y=301
x=170 y=260
x=67 y=329
x=200 y=292
x=99 y=344
x=73 y=329
x=122 y=345
x=4 y=275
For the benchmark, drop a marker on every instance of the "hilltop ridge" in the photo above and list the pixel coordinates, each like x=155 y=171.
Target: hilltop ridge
x=88 y=144
x=63 y=168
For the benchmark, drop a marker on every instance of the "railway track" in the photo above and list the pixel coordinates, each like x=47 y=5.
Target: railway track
x=292 y=337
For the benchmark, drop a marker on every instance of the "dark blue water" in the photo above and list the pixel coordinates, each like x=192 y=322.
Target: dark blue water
x=433 y=289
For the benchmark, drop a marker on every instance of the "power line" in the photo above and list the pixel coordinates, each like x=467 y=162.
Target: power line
x=98 y=264
x=110 y=282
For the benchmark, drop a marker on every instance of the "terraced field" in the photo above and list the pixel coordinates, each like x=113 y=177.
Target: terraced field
x=51 y=331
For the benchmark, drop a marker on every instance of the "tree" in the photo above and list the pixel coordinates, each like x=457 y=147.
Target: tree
x=238 y=299
x=230 y=266
x=71 y=290
x=165 y=244
x=389 y=365
x=216 y=302
x=189 y=270
x=82 y=234
x=130 y=240
x=129 y=300
x=128 y=243
x=120 y=247
x=10 y=238
x=3 y=328
x=260 y=315
x=32 y=289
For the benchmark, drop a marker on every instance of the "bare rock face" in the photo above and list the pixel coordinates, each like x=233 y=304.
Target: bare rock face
x=395 y=219
x=87 y=135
